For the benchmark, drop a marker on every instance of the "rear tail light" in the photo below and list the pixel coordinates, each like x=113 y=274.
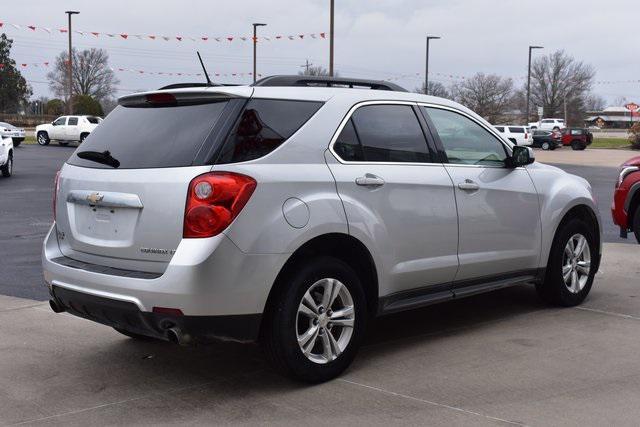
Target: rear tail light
x=214 y=200
x=56 y=188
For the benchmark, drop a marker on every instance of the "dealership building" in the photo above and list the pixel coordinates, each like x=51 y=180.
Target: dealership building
x=612 y=118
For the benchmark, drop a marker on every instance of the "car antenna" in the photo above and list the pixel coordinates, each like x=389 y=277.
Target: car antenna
x=209 y=82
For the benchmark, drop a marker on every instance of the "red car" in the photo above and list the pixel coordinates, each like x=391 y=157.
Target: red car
x=577 y=138
x=626 y=198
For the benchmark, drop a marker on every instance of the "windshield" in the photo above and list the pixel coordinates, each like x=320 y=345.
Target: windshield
x=159 y=137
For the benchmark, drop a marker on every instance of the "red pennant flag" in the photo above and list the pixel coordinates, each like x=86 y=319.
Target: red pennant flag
x=301 y=36
x=95 y=34
x=322 y=35
x=24 y=65
x=152 y=37
x=179 y=74
x=278 y=37
x=31 y=27
x=63 y=30
x=205 y=38
x=46 y=64
x=124 y=36
x=230 y=38
x=217 y=74
x=1 y=24
x=179 y=38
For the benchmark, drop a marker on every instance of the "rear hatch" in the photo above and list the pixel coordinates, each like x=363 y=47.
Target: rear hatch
x=122 y=194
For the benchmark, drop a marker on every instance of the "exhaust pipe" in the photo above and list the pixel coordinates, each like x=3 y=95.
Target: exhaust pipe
x=176 y=336
x=57 y=308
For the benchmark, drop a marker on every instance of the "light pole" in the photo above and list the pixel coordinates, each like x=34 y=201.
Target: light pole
x=426 y=67
x=255 y=46
x=529 y=82
x=70 y=63
x=331 y=13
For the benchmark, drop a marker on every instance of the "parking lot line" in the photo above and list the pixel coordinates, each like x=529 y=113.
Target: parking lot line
x=608 y=313
x=429 y=402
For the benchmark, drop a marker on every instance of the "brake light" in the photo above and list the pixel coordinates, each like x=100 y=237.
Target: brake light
x=526 y=135
x=214 y=200
x=56 y=188
x=161 y=98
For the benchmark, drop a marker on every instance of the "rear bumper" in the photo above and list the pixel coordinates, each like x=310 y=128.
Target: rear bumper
x=127 y=316
x=205 y=278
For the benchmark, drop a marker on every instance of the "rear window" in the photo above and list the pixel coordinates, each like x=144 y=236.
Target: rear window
x=263 y=126
x=94 y=120
x=158 y=137
x=499 y=128
x=516 y=130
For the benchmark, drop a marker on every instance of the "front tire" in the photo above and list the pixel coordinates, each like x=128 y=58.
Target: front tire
x=572 y=265
x=43 y=138
x=7 y=169
x=546 y=146
x=17 y=142
x=316 y=321
x=577 y=146
x=636 y=224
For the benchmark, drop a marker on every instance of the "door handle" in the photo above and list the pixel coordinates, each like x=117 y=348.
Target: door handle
x=469 y=185
x=369 y=180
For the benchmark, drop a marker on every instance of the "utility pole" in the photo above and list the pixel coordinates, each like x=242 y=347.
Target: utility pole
x=331 y=12
x=566 y=119
x=426 y=66
x=529 y=84
x=70 y=64
x=255 y=47
x=306 y=66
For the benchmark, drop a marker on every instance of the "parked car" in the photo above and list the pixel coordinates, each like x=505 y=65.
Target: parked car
x=290 y=214
x=547 y=140
x=6 y=156
x=548 y=124
x=16 y=134
x=519 y=135
x=577 y=138
x=67 y=129
x=626 y=198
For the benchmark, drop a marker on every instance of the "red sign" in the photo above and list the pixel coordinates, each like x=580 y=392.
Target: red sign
x=632 y=106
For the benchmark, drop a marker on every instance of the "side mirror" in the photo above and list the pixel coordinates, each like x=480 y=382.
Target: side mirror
x=521 y=156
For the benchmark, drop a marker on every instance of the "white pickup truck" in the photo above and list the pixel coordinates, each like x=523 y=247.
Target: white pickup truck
x=67 y=129
x=6 y=156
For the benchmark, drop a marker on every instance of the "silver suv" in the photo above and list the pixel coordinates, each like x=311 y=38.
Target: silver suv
x=292 y=211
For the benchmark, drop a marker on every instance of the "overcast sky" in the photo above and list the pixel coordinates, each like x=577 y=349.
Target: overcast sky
x=374 y=39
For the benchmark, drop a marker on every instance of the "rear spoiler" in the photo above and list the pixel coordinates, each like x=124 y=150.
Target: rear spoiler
x=182 y=97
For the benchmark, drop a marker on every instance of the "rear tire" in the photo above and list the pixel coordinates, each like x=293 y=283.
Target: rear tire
x=17 y=142
x=306 y=341
x=577 y=145
x=83 y=137
x=43 y=138
x=546 y=146
x=7 y=169
x=569 y=275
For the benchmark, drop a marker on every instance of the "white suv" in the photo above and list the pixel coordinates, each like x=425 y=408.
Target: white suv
x=6 y=156
x=291 y=214
x=548 y=124
x=518 y=135
x=67 y=129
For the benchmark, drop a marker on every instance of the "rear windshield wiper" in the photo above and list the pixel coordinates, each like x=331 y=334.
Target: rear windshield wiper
x=103 y=157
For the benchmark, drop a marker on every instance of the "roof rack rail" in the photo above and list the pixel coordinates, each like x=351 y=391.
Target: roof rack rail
x=185 y=85
x=325 y=81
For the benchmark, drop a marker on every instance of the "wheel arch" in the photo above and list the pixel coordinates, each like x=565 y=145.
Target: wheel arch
x=586 y=214
x=632 y=202
x=341 y=246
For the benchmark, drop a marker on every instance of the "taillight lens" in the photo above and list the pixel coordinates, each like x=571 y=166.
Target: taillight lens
x=214 y=200
x=56 y=188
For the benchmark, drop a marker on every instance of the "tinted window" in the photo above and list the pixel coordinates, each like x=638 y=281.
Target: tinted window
x=151 y=137
x=390 y=133
x=94 y=120
x=516 y=130
x=500 y=129
x=465 y=141
x=73 y=121
x=263 y=126
x=347 y=145
x=61 y=121
x=541 y=133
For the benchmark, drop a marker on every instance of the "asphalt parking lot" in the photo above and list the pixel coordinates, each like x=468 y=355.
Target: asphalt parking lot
x=499 y=358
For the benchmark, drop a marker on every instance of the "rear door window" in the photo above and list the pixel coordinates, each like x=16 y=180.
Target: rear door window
x=516 y=130
x=73 y=121
x=263 y=126
x=500 y=129
x=390 y=133
x=158 y=137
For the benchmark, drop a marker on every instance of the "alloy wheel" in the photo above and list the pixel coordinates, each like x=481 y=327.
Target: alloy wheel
x=576 y=263
x=325 y=321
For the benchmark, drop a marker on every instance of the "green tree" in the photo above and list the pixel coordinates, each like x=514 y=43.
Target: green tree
x=84 y=104
x=54 y=107
x=14 y=90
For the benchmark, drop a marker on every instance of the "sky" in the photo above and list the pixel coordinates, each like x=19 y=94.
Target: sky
x=381 y=39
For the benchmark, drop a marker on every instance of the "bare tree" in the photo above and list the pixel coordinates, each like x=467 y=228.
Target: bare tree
x=594 y=102
x=316 y=70
x=91 y=74
x=435 y=89
x=488 y=95
x=559 y=83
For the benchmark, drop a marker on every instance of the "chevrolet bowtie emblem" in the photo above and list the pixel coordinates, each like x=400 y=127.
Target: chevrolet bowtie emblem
x=94 y=198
